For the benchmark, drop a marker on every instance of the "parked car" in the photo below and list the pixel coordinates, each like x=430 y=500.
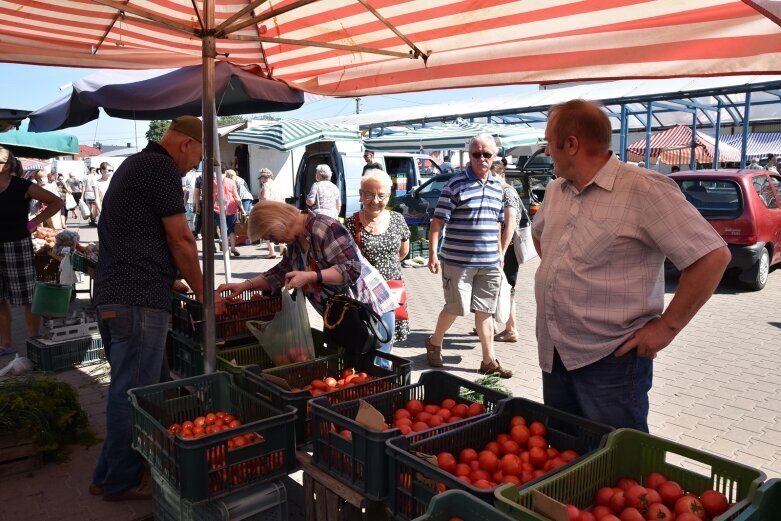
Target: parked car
x=744 y=206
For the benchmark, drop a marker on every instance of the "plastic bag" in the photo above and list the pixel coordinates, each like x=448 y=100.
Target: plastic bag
x=67 y=275
x=70 y=202
x=286 y=338
x=18 y=366
x=84 y=209
x=503 y=302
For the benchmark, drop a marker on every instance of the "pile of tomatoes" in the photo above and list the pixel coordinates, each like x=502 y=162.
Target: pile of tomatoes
x=416 y=416
x=516 y=457
x=232 y=322
x=212 y=423
x=659 y=500
x=347 y=378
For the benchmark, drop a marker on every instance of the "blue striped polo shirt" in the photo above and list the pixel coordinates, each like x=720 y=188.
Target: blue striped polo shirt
x=471 y=209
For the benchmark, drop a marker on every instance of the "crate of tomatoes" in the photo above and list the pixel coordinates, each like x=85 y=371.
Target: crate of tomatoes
x=329 y=376
x=355 y=453
x=519 y=444
x=187 y=314
x=207 y=437
x=457 y=505
x=638 y=476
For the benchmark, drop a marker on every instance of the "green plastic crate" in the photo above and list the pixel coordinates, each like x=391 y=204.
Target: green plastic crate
x=633 y=454
x=363 y=462
x=65 y=354
x=414 y=481
x=301 y=374
x=187 y=356
x=457 y=503
x=766 y=505
x=204 y=468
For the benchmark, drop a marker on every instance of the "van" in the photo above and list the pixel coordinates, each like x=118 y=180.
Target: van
x=346 y=161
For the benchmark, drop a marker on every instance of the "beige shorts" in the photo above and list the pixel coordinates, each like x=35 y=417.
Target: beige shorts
x=473 y=289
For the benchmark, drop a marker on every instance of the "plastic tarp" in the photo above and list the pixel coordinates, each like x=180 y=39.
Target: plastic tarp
x=287 y=134
x=760 y=144
x=39 y=145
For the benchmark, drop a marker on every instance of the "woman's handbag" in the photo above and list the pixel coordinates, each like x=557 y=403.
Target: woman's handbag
x=522 y=241
x=353 y=325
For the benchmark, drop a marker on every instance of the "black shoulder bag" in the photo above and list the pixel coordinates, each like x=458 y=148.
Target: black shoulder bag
x=352 y=325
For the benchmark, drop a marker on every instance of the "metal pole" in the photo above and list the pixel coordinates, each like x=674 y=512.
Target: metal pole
x=207 y=104
x=718 y=136
x=746 y=113
x=693 y=144
x=648 y=112
x=624 y=133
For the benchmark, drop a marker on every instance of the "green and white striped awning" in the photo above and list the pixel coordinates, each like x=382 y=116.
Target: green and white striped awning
x=287 y=134
x=455 y=136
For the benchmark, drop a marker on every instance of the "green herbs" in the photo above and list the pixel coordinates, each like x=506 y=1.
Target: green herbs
x=491 y=381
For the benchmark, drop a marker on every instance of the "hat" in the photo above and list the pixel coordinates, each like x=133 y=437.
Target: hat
x=189 y=126
x=265 y=173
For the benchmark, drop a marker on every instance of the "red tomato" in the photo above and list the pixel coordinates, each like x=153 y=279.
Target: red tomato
x=601 y=511
x=211 y=418
x=538 y=429
x=448 y=403
x=511 y=464
x=517 y=420
x=632 y=514
x=414 y=407
x=435 y=421
x=405 y=429
x=587 y=516
x=603 y=496
x=478 y=474
x=467 y=455
x=511 y=479
x=445 y=414
x=465 y=479
x=320 y=385
x=715 y=503
x=511 y=447
x=659 y=512
x=330 y=382
x=636 y=497
x=574 y=513
x=653 y=496
x=618 y=502
x=609 y=517
x=200 y=421
x=175 y=428
x=537 y=457
x=419 y=426
x=423 y=416
x=402 y=421
x=401 y=413
x=686 y=517
x=462 y=469
x=488 y=461
x=520 y=434
x=653 y=480
x=537 y=441
x=502 y=438
x=446 y=462
x=475 y=409
x=460 y=410
x=431 y=409
x=346 y=434
x=482 y=484
x=689 y=505
x=670 y=492
x=493 y=447
x=625 y=483
x=234 y=424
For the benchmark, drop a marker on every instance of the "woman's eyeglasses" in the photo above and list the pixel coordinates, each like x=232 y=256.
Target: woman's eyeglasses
x=484 y=155
x=370 y=196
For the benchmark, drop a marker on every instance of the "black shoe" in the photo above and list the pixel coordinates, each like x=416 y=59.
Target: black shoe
x=92 y=223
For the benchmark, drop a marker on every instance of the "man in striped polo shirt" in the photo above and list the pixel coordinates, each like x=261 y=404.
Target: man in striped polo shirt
x=471 y=208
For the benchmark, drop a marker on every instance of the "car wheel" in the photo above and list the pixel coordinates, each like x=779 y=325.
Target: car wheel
x=762 y=271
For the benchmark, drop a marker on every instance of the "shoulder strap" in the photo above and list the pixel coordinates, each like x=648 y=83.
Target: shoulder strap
x=357 y=222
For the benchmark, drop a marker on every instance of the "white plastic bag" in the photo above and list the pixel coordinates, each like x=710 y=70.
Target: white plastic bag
x=84 y=209
x=18 y=366
x=70 y=202
x=67 y=275
x=523 y=244
x=286 y=338
x=502 y=313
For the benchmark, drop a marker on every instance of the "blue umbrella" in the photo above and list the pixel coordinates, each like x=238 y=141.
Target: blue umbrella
x=164 y=94
x=39 y=145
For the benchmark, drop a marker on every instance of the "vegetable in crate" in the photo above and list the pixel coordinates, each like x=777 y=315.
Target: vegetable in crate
x=286 y=337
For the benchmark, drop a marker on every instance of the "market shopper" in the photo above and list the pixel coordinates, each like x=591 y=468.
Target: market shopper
x=324 y=196
x=144 y=239
x=321 y=259
x=268 y=192
x=17 y=270
x=381 y=235
x=233 y=208
x=89 y=195
x=603 y=235
x=470 y=208
x=76 y=187
x=100 y=187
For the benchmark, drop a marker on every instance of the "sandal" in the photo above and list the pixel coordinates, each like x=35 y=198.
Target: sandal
x=271 y=256
x=433 y=354
x=504 y=336
x=495 y=368
x=235 y=253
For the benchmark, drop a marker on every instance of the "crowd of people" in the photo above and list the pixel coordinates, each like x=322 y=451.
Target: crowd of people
x=602 y=237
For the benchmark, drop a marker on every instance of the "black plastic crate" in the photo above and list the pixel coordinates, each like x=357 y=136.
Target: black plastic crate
x=362 y=463
x=459 y=504
x=65 y=354
x=187 y=315
x=205 y=468
x=187 y=356
x=414 y=481
x=301 y=374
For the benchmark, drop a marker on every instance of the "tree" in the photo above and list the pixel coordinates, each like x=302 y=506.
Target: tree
x=224 y=121
x=156 y=130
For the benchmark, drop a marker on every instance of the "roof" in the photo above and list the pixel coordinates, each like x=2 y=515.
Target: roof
x=87 y=151
x=760 y=144
x=673 y=147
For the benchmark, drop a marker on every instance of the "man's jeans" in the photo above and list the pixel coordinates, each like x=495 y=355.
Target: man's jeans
x=134 y=342
x=613 y=390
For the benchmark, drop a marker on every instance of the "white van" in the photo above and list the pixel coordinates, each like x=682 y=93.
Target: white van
x=346 y=161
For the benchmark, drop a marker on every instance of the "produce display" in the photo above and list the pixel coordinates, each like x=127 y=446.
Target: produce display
x=517 y=457
x=659 y=500
x=237 y=310
x=416 y=416
x=347 y=378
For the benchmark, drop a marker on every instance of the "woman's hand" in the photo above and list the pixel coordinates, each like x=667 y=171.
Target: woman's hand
x=299 y=279
x=235 y=288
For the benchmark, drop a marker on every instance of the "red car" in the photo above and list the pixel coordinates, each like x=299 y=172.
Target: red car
x=744 y=206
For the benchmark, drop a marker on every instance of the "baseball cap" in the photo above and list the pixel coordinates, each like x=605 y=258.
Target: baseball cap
x=189 y=126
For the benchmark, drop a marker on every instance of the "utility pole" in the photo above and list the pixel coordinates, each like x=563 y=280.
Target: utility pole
x=357 y=105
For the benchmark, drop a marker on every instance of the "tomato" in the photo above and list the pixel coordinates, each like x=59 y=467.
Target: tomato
x=632 y=514
x=234 y=424
x=401 y=413
x=435 y=421
x=574 y=513
x=488 y=461
x=419 y=426
x=446 y=462
x=510 y=464
x=502 y=438
x=467 y=455
x=537 y=441
x=538 y=429
x=689 y=505
x=320 y=385
x=465 y=479
x=609 y=517
x=414 y=407
x=460 y=410
x=653 y=496
x=493 y=447
x=402 y=421
x=475 y=409
x=453 y=419
x=603 y=496
x=423 y=416
x=445 y=414
x=653 y=480
x=348 y=435
x=686 y=517
x=456 y=519
x=175 y=428
x=617 y=502
x=636 y=497
x=517 y=420
x=448 y=403
x=478 y=474
x=211 y=418
x=405 y=429
x=670 y=492
x=347 y=372
x=659 y=512
x=715 y=503
x=431 y=409
x=587 y=516
x=511 y=447
x=482 y=484
x=625 y=483
x=520 y=434
x=239 y=441
x=462 y=469
x=537 y=457
x=601 y=511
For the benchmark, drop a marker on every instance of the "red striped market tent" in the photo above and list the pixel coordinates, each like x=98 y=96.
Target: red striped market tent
x=362 y=47
x=760 y=144
x=673 y=147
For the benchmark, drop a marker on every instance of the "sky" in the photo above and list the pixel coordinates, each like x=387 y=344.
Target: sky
x=30 y=87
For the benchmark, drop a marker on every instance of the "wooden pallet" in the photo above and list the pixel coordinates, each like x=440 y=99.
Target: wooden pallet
x=328 y=499
x=17 y=455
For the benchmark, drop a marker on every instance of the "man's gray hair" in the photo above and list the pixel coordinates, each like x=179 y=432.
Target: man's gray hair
x=484 y=137
x=323 y=172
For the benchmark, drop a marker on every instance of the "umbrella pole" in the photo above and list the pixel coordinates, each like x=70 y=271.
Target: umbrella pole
x=209 y=51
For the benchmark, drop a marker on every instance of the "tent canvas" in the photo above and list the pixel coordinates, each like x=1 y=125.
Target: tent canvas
x=673 y=147
x=455 y=136
x=760 y=144
x=287 y=134
x=39 y=145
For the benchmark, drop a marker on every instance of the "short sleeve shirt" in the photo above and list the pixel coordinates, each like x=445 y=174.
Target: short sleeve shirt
x=326 y=196
x=471 y=210
x=135 y=266
x=510 y=199
x=601 y=276
x=14 y=205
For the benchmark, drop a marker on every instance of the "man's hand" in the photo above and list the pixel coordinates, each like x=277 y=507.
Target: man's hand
x=649 y=339
x=180 y=286
x=433 y=264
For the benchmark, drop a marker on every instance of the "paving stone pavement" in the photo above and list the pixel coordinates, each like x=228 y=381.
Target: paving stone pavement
x=717 y=387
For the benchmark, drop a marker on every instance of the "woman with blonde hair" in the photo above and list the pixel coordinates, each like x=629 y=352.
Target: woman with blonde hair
x=381 y=234
x=321 y=259
x=324 y=197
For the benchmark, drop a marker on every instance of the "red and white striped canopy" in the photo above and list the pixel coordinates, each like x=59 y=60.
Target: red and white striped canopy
x=363 y=47
x=673 y=147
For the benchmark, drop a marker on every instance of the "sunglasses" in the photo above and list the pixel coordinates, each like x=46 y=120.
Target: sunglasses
x=484 y=155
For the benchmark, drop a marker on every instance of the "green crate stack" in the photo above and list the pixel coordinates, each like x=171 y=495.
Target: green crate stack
x=301 y=374
x=207 y=468
x=459 y=504
x=362 y=463
x=633 y=454
x=414 y=481
x=65 y=354
x=766 y=505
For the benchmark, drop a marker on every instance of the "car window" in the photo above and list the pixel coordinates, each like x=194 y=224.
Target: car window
x=714 y=199
x=433 y=187
x=427 y=167
x=401 y=167
x=776 y=181
x=761 y=184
